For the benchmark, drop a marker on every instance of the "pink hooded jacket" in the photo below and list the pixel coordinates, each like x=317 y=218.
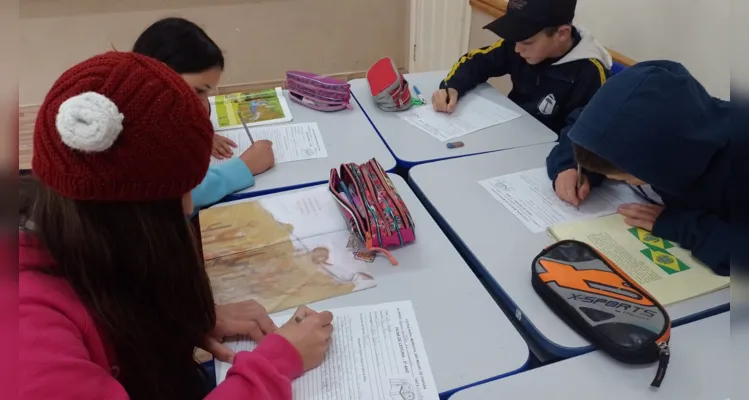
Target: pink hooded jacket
x=63 y=356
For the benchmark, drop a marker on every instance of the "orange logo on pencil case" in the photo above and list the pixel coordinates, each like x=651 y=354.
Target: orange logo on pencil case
x=604 y=283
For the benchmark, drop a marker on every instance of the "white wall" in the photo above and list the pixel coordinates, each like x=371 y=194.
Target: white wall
x=693 y=32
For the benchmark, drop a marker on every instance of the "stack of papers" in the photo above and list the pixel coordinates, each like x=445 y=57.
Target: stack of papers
x=293 y=142
x=376 y=352
x=473 y=113
x=530 y=197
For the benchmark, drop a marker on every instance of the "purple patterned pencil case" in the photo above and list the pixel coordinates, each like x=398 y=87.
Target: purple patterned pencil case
x=318 y=92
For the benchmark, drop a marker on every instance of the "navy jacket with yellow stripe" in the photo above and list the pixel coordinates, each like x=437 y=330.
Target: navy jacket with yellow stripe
x=549 y=91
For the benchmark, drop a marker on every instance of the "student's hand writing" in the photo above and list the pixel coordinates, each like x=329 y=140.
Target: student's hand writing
x=259 y=157
x=566 y=187
x=247 y=318
x=309 y=332
x=222 y=147
x=641 y=215
x=440 y=100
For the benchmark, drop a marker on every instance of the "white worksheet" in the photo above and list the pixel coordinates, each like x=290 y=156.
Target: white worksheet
x=376 y=353
x=530 y=197
x=292 y=142
x=472 y=114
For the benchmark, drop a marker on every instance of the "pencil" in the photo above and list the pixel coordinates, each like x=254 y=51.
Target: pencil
x=244 y=124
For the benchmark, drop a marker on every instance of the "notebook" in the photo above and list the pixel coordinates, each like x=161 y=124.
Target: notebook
x=258 y=108
x=667 y=271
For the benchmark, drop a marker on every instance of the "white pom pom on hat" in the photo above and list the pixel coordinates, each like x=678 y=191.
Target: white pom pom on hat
x=89 y=122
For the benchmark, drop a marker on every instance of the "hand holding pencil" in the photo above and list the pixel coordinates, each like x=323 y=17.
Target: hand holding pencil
x=259 y=156
x=572 y=186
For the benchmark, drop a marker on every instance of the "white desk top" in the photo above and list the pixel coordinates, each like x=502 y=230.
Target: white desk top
x=700 y=369
x=505 y=248
x=467 y=336
x=412 y=146
x=348 y=137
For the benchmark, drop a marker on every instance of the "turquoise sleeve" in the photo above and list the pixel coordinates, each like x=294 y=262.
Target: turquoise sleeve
x=220 y=181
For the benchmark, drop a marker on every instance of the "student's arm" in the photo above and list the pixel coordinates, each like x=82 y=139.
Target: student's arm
x=220 y=181
x=704 y=234
x=265 y=373
x=55 y=364
x=477 y=66
x=561 y=157
x=54 y=361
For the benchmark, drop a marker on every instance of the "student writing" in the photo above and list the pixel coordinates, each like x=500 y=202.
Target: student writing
x=654 y=123
x=555 y=67
x=187 y=49
x=113 y=296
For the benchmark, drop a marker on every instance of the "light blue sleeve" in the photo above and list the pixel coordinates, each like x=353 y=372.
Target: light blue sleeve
x=220 y=181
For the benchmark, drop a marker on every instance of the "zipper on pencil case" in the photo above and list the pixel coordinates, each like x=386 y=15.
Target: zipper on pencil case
x=374 y=206
x=351 y=168
x=318 y=83
x=382 y=197
x=386 y=184
x=359 y=230
x=345 y=199
x=405 y=215
x=373 y=191
x=329 y=93
x=358 y=194
x=323 y=97
x=353 y=204
x=368 y=242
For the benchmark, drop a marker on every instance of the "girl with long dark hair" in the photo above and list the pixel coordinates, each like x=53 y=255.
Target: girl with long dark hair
x=113 y=296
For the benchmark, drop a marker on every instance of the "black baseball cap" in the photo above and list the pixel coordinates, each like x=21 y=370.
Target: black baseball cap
x=525 y=18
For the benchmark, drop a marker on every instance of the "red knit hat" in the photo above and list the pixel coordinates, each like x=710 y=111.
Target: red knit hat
x=121 y=127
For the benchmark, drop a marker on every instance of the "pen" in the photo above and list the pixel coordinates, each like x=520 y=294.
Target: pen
x=418 y=94
x=579 y=180
x=246 y=129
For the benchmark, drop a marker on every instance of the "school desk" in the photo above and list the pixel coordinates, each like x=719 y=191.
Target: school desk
x=412 y=146
x=467 y=336
x=348 y=137
x=699 y=370
x=501 y=248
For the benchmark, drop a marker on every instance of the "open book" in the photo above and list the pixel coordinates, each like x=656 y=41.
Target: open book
x=667 y=271
x=258 y=108
x=282 y=251
x=376 y=353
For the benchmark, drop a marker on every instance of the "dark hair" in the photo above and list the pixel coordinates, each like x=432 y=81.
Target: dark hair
x=592 y=162
x=136 y=269
x=180 y=44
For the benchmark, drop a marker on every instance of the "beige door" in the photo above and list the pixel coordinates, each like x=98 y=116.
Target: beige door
x=439 y=33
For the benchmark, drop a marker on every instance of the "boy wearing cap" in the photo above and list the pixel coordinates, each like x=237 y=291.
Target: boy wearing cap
x=555 y=67
x=654 y=123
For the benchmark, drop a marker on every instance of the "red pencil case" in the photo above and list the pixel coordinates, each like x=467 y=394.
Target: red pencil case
x=388 y=86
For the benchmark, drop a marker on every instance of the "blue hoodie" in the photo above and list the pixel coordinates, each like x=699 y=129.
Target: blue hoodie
x=657 y=123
